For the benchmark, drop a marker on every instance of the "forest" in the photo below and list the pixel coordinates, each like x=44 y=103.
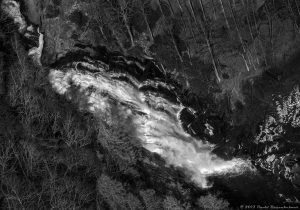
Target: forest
x=228 y=58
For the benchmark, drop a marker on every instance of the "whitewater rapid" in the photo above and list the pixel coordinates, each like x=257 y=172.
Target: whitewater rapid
x=155 y=119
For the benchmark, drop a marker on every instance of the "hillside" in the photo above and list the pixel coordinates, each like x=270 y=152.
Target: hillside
x=149 y=104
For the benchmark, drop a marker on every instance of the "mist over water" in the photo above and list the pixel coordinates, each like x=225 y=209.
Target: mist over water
x=155 y=119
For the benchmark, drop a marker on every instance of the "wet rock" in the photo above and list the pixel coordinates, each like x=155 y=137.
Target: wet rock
x=226 y=152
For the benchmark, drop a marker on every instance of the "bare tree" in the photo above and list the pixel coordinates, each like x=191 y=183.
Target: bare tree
x=189 y=16
x=169 y=30
x=99 y=17
x=126 y=11
x=297 y=6
x=183 y=23
x=246 y=5
x=244 y=53
x=142 y=5
x=207 y=39
x=214 y=9
x=257 y=31
x=171 y=8
x=107 y=16
x=224 y=13
x=203 y=11
x=270 y=24
x=293 y=15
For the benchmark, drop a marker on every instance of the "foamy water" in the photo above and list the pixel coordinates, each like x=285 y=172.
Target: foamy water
x=154 y=118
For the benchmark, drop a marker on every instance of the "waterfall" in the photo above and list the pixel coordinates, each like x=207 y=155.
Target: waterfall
x=155 y=119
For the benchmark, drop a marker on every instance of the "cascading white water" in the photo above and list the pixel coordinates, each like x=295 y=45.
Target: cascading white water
x=155 y=120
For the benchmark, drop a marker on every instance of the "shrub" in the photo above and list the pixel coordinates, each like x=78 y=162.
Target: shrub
x=171 y=203
x=151 y=200
x=212 y=202
x=115 y=195
x=45 y=161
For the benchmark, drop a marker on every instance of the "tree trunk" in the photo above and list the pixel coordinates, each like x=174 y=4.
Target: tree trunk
x=257 y=31
x=214 y=9
x=100 y=26
x=203 y=10
x=123 y=12
x=293 y=15
x=146 y=21
x=270 y=23
x=125 y=19
x=176 y=48
x=170 y=32
x=251 y=60
x=208 y=43
x=251 y=32
x=191 y=28
x=114 y=34
x=296 y=2
x=180 y=7
x=171 y=8
x=224 y=13
x=185 y=30
x=240 y=36
x=148 y=28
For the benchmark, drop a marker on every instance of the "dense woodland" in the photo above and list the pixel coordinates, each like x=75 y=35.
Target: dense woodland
x=205 y=29
x=54 y=156
x=213 y=47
